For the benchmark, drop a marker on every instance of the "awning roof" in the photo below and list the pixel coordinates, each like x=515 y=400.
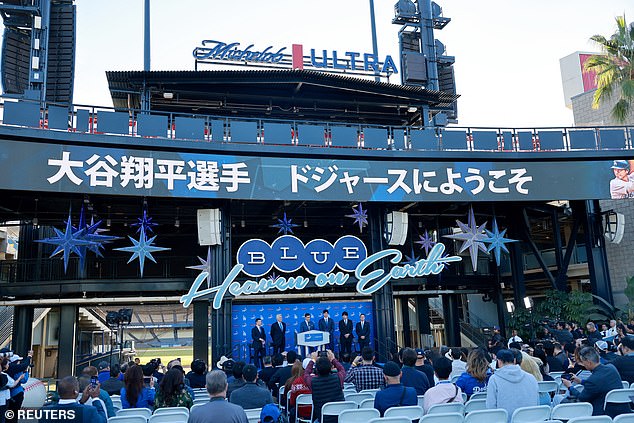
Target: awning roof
x=287 y=94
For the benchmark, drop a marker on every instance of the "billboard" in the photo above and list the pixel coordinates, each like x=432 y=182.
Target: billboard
x=126 y=171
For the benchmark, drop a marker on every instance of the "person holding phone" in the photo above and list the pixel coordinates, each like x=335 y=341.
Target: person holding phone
x=363 y=373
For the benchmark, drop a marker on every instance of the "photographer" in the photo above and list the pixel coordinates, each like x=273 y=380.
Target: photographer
x=560 y=333
x=326 y=386
x=363 y=374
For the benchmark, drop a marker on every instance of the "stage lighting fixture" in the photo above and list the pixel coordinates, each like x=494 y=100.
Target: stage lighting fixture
x=125 y=316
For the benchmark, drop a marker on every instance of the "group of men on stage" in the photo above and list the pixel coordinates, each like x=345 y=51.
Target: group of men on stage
x=325 y=324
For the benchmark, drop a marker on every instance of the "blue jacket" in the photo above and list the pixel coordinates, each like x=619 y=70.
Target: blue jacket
x=103 y=376
x=83 y=413
x=471 y=385
x=145 y=399
x=416 y=379
x=391 y=395
x=604 y=378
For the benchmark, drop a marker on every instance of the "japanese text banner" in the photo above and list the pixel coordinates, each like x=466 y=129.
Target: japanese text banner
x=82 y=169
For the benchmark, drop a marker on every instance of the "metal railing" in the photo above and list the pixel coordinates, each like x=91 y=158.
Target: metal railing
x=221 y=129
x=52 y=269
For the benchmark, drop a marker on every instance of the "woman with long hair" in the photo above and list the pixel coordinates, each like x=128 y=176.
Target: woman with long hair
x=476 y=378
x=296 y=386
x=172 y=392
x=134 y=394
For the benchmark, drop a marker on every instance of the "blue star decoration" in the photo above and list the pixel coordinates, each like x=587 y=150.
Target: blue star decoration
x=145 y=224
x=360 y=216
x=411 y=259
x=284 y=225
x=497 y=241
x=473 y=238
x=142 y=249
x=92 y=233
x=204 y=266
x=69 y=241
x=426 y=242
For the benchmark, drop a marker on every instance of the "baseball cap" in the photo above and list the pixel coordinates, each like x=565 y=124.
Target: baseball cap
x=305 y=362
x=620 y=164
x=391 y=369
x=15 y=358
x=602 y=345
x=420 y=352
x=103 y=365
x=496 y=328
x=222 y=361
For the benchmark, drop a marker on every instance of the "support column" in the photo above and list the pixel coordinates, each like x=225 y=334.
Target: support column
x=452 y=319
x=221 y=318
x=517 y=274
x=422 y=309
x=201 y=330
x=22 y=329
x=595 y=248
x=66 y=342
x=382 y=300
x=407 y=331
x=501 y=310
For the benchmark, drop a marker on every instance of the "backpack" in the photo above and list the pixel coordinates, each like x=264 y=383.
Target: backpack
x=271 y=414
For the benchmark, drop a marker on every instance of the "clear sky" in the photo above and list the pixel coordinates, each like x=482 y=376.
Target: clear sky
x=507 y=51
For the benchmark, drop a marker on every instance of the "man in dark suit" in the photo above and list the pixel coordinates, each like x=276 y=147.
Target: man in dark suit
x=625 y=362
x=259 y=343
x=604 y=378
x=345 y=334
x=363 y=332
x=326 y=324
x=306 y=325
x=89 y=409
x=278 y=335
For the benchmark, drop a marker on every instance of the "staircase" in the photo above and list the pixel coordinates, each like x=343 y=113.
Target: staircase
x=471 y=328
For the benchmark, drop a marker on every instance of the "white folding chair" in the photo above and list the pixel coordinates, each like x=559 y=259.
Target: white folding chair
x=555 y=375
x=201 y=400
x=304 y=399
x=443 y=418
x=358 y=416
x=464 y=397
x=421 y=400
x=626 y=384
x=145 y=412
x=474 y=405
x=370 y=391
x=334 y=408
x=618 y=396
x=280 y=394
x=478 y=395
x=547 y=386
x=487 y=416
x=624 y=418
x=367 y=403
x=412 y=412
x=390 y=420
x=128 y=419
x=253 y=415
x=347 y=385
x=533 y=414
x=452 y=407
x=195 y=406
x=592 y=419
x=571 y=410
x=170 y=410
x=177 y=417
x=455 y=379
x=358 y=397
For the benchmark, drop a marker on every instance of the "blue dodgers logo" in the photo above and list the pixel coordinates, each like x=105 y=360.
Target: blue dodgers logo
x=288 y=254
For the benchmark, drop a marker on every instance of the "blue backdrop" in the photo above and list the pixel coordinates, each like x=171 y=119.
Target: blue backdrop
x=243 y=319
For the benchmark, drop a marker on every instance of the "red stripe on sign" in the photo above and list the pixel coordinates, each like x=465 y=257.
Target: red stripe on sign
x=298 y=56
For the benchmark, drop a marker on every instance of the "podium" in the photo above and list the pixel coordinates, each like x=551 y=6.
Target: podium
x=312 y=338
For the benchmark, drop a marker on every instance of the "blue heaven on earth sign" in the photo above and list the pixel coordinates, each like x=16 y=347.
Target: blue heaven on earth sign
x=329 y=264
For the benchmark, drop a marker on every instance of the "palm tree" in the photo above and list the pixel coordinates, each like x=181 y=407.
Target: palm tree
x=614 y=69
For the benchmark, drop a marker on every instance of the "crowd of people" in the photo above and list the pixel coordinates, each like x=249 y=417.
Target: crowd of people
x=590 y=363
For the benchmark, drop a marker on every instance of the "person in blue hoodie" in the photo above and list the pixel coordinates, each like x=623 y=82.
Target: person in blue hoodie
x=510 y=387
x=476 y=378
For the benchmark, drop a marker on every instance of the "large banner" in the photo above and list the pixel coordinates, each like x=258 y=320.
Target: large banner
x=80 y=169
x=243 y=319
